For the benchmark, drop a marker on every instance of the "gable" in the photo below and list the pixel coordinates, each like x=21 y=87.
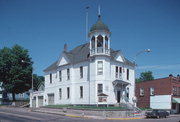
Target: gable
x=119 y=58
x=63 y=60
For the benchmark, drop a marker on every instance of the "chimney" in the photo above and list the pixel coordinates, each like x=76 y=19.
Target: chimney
x=65 y=47
x=178 y=77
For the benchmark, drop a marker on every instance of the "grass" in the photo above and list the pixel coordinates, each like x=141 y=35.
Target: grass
x=146 y=109
x=87 y=107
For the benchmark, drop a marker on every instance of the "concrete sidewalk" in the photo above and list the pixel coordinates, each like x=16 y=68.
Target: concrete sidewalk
x=81 y=114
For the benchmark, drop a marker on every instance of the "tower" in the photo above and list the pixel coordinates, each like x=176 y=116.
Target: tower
x=99 y=36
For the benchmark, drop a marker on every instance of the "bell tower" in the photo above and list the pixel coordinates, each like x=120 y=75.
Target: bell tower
x=99 y=36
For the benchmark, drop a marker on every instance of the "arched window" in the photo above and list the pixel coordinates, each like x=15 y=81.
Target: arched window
x=99 y=41
x=106 y=42
x=93 y=42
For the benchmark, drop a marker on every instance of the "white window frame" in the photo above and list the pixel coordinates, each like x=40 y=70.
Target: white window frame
x=81 y=91
x=151 y=91
x=81 y=71
x=68 y=74
x=60 y=75
x=99 y=89
x=100 y=67
x=60 y=93
x=141 y=92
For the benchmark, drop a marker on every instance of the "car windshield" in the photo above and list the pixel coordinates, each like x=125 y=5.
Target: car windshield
x=155 y=111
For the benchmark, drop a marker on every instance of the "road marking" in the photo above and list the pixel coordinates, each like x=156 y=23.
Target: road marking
x=123 y=118
x=22 y=116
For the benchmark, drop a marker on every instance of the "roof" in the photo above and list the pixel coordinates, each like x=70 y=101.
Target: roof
x=81 y=53
x=99 y=25
x=102 y=95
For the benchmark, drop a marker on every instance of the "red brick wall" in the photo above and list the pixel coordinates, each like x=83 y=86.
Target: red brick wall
x=161 y=87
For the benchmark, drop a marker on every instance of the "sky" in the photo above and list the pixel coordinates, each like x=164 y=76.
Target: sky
x=44 y=26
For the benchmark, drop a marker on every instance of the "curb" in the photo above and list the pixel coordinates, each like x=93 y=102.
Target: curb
x=88 y=117
x=123 y=118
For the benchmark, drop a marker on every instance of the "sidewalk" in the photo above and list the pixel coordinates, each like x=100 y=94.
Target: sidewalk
x=81 y=114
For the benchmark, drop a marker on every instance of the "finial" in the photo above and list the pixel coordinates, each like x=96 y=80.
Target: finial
x=99 y=11
x=65 y=47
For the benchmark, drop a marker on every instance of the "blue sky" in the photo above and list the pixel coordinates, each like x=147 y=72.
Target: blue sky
x=44 y=26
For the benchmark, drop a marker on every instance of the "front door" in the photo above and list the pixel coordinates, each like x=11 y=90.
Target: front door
x=118 y=96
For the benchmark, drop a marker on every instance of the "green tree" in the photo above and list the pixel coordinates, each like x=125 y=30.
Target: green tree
x=15 y=75
x=37 y=80
x=145 y=76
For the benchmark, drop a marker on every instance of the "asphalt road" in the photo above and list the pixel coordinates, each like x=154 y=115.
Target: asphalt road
x=24 y=115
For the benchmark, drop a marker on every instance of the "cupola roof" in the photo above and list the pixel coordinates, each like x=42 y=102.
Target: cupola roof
x=99 y=26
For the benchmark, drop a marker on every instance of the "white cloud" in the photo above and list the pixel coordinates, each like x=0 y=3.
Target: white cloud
x=160 y=67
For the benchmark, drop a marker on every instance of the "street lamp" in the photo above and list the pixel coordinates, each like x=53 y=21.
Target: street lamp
x=32 y=71
x=138 y=53
x=134 y=99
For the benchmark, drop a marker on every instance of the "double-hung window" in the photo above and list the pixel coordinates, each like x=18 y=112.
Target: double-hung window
x=100 y=88
x=81 y=72
x=141 y=91
x=60 y=93
x=81 y=91
x=68 y=74
x=50 y=78
x=60 y=76
x=100 y=67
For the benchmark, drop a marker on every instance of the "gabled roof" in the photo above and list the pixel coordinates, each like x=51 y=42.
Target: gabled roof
x=81 y=53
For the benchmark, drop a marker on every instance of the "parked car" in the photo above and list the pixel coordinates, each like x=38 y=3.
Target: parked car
x=157 y=114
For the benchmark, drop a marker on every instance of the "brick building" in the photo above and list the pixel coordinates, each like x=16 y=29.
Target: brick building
x=163 y=93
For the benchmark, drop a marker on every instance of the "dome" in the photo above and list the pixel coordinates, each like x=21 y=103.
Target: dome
x=99 y=26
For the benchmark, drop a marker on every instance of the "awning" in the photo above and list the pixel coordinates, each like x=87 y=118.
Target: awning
x=176 y=100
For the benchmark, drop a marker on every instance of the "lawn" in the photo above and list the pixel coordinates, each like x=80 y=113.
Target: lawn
x=87 y=107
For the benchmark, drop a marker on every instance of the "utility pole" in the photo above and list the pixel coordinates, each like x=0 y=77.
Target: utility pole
x=87 y=23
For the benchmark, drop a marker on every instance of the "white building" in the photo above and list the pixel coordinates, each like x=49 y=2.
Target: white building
x=91 y=73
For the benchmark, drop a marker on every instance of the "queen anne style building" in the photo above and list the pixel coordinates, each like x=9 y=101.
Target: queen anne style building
x=91 y=73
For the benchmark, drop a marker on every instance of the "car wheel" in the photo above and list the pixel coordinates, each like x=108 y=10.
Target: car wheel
x=164 y=116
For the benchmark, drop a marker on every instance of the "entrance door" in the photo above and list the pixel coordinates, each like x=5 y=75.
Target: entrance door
x=40 y=101
x=118 y=96
x=50 y=99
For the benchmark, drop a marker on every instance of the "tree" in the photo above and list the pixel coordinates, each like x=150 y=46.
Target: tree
x=15 y=75
x=37 y=80
x=145 y=76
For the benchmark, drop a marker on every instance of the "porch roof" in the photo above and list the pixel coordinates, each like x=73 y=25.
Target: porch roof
x=120 y=82
x=176 y=100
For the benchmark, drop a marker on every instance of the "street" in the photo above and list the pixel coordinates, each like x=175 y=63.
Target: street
x=25 y=115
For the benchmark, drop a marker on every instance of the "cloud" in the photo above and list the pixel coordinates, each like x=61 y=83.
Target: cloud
x=160 y=67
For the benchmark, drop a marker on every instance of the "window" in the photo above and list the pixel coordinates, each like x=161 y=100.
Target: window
x=68 y=92
x=127 y=92
x=81 y=72
x=173 y=105
x=116 y=75
x=100 y=88
x=60 y=76
x=127 y=74
x=60 y=94
x=81 y=92
x=93 y=42
x=100 y=68
x=151 y=91
x=141 y=91
x=99 y=41
x=68 y=74
x=106 y=42
x=178 y=90
x=174 y=90
x=50 y=76
x=120 y=72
